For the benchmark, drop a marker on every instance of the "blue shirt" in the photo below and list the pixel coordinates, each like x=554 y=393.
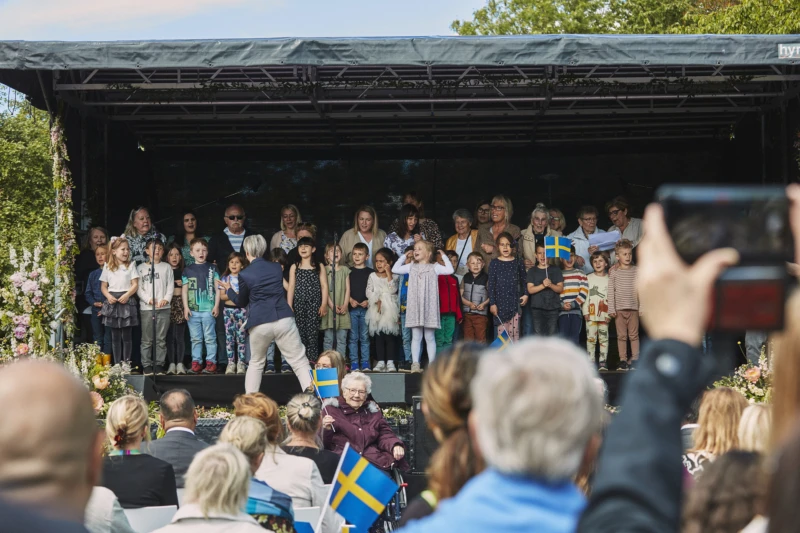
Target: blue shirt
x=501 y=503
x=93 y=293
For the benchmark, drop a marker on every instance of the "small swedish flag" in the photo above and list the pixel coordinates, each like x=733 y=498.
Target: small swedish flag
x=557 y=247
x=326 y=381
x=501 y=342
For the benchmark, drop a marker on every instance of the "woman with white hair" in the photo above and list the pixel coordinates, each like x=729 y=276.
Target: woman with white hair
x=353 y=418
x=217 y=483
x=755 y=428
x=269 y=317
x=464 y=242
x=138 y=231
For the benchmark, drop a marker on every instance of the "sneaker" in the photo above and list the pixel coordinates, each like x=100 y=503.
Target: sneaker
x=126 y=367
x=390 y=367
x=602 y=368
x=160 y=370
x=270 y=368
x=172 y=370
x=211 y=368
x=415 y=368
x=180 y=370
x=241 y=368
x=286 y=369
x=231 y=368
x=365 y=366
x=380 y=366
x=623 y=365
x=196 y=368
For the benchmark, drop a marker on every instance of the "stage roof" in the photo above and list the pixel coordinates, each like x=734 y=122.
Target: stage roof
x=362 y=93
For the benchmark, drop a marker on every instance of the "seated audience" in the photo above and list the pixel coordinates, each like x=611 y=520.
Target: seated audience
x=20 y=519
x=270 y=508
x=296 y=476
x=536 y=413
x=304 y=420
x=216 y=491
x=446 y=404
x=179 y=444
x=353 y=418
x=104 y=514
x=718 y=425
x=784 y=491
x=689 y=425
x=730 y=493
x=138 y=479
x=755 y=427
x=333 y=359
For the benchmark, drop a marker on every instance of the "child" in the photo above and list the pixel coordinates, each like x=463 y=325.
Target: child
x=277 y=255
x=423 y=298
x=595 y=309
x=201 y=306
x=235 y=317
x=119 y=282
x=545 y=284
x=623 y=303
x=155 y=308
x=337 y=303
x=176 y=347
x=308 y=296
x=576 y=289
x=475 y=299
x=404 y=331
x=359 y=333
x=506 y=287
x=384 y=311
x=449 y=305
x=94 y=297
x=453 y=257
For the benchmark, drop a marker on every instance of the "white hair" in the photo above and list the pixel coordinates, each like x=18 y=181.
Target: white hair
x=352 y=377
x=537 y=406
x=218 y=480
x=540 y=208
x=254 y=245
x=755 y=427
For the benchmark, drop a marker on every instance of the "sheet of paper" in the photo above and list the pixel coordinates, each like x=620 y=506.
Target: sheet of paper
x=604 y=241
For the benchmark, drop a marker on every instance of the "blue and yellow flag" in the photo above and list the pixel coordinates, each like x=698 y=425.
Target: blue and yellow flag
x=326 y=381
x=557 y=247
x=360 y=490
x=501 y=342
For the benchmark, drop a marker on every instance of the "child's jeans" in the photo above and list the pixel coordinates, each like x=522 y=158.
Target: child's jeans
x=201 y=329
x=570 y=326
x=406 y=337
x=597 y=333
x=358 y=333
x=341 y=340
x=235 y=334
x=444 y=335
x=100 y=334
x=628 y=329
x=545 y=322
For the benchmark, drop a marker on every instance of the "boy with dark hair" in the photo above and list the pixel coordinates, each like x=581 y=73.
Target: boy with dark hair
x=359 y=332
x=576 y=289
x=155 y=309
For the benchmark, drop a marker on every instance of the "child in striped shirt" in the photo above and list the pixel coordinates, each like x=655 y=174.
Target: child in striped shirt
x=623 y=303
x=576 y=290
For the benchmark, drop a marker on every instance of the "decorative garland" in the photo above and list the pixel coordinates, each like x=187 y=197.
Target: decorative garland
x=65 y=232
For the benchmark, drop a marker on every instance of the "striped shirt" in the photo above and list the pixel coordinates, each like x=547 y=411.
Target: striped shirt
x=236 y=240
x=622 y=294
x=576 y=290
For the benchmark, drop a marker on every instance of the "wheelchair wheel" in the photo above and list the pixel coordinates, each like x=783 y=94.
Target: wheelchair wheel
x=396 y=506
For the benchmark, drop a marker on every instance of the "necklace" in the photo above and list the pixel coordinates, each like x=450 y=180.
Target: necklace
x=302 y=442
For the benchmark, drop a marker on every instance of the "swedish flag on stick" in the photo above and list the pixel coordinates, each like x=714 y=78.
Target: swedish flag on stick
x=502 y=341
x=326 y=381
x=557 y=247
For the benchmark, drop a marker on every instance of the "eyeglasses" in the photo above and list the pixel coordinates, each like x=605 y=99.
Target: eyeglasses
x=484 y=211
x=498 y=207
x=593 y=219
x=357 y=392
x=235 y=217
x=613 y=212
x=322 y=365
x=555 y=218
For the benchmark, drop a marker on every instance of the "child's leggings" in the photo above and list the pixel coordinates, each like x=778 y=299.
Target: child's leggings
x=122 y=344
x=416 y=343
x=235 y=334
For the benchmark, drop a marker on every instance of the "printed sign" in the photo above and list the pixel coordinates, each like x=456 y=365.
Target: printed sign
x=789 y=51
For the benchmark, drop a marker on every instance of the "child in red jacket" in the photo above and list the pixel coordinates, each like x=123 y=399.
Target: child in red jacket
x=449 y=306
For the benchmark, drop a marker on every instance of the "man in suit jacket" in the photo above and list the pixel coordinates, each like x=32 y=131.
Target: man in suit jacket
x=178 y=417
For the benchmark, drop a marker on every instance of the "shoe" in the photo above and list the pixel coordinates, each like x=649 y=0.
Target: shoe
x=231 y=368
x=126 y=367
x=634 y=364
x=365 y=366
x=380 y=367
x=415 y=368
x=390 y=367
x=286 y=369
x=196 y=368
x=623 y=365
x=181 y=370
x=171 y=370
x=270 y=369
x=160 y=370
x=211 y=368
x=602 y=368
x=241 y=368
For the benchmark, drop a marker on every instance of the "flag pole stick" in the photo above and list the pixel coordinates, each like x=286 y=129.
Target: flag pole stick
x=330 y=490
x=510 y=340
x=322 y=401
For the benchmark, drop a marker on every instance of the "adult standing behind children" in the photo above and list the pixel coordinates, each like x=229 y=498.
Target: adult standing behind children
x=230 y=239
x=502 y=210
x=630 y=228
x=623 y=303
x=286 y=239
x=188 y=230
x=139 y=230
x=426 y=226
x=587 y=222
x=465 y=241
x=365 y=230
x=359 y=332
x=201 y=307
x=156 y=286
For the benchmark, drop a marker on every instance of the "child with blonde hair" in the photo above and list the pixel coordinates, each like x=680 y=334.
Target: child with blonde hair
x=623 y=303
x=119 y=282
x=595 y=309
x=337 y=303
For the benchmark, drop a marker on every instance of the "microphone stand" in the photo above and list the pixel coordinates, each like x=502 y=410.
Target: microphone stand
x=153 y=282
x=333 y=287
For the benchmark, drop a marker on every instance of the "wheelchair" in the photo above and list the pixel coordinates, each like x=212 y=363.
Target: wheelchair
x=390 y=518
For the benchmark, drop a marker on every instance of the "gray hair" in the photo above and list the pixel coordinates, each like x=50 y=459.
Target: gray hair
x=218 y=480
x=352 y=377
x=254 y=245
x=541 y=208
x=463 y=213
x=537 y=407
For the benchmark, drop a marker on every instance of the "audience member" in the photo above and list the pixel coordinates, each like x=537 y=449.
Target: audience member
x=755 y=427
x=304 y=421
x=18 y=519
x=178 y=446
x=217 y=484
x=784 y=491
x=104 y=514
x=271 y=508
x=138 y=479
x=333 y=359
x=536 y=413
x=786 y=372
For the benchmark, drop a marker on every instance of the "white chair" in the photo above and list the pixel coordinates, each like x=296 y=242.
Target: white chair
x=149 y=519
x=181 y=493
x=307 y=514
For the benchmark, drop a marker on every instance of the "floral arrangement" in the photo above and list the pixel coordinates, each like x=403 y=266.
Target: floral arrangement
x=754 y=382
x=217 y=412
x=27 y=302
x=400 y=413
x=105 y=384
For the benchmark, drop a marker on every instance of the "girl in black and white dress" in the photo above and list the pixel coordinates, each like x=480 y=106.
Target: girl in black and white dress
x=308 y=296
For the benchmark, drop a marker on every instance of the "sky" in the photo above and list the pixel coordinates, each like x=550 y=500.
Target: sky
x=82 y=20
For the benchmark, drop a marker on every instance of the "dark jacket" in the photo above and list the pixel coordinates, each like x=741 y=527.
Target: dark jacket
x=365 y=429
x=140 y=480
x=261 y=287
x=178 y=448
x=219 y=248
x=20 y=519
x=93 y=291
x=640 y=473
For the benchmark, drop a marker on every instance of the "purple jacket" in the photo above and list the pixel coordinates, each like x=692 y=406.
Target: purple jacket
x=365 y=429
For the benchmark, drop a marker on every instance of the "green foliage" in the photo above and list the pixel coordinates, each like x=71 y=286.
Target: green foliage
x=751 y=17
x=513 y=17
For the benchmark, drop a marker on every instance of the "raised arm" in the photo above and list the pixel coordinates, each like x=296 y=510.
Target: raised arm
x=443 y=269
x=400 y=267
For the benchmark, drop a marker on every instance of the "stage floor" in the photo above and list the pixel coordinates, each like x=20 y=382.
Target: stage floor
x=387 y=388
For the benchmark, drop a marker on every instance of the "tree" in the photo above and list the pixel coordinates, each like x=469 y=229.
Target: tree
x=514 y=17
x=751 y=17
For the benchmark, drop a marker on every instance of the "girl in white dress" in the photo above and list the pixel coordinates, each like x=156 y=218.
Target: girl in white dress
x=383 y=313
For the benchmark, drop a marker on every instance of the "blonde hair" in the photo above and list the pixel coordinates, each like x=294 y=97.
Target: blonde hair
x=562 y=223
x=330 y=246
x=369 y=209
x=720 y=411
x=218 y=480
x=754 y=428
x=260 y=406
x=303 y=413
x=296 y=214
x=337 y=362
x=130 y=229
x=247 y=434
x=430 y=248
x=509 y=206
x=126 y=419
x=111 y=261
